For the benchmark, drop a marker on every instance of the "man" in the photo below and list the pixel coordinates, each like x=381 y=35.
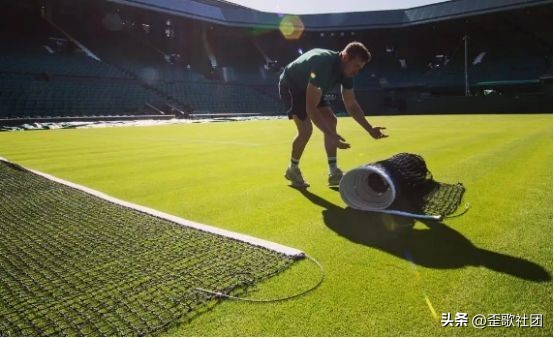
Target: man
x=302 y=85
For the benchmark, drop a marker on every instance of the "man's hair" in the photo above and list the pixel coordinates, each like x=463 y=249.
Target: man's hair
x=357 y=49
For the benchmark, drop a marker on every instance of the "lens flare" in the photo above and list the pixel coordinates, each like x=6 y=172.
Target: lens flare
x=292 y=27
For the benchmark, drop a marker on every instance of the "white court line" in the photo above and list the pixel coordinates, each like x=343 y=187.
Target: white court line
x=181 y=221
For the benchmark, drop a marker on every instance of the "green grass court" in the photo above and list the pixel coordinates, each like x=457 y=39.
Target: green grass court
x=496 y=259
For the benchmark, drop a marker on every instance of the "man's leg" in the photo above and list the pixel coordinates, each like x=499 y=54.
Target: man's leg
x=331 y=120
x=304 y=128
x=335 y=174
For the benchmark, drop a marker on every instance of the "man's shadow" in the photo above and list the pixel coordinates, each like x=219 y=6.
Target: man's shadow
x=439 y=246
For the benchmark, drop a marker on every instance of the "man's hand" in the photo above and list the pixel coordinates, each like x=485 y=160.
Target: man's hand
x=376 y=133
x=339 y=141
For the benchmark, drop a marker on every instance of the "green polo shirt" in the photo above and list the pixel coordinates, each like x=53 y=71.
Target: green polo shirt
x=320 y=67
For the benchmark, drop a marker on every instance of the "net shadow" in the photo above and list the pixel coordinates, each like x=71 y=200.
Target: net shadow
x=438 y=246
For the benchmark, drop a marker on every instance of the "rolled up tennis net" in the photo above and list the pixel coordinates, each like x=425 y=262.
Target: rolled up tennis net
x=400 y=185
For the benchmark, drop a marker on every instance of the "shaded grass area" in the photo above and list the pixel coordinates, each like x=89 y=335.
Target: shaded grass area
x=380 y=281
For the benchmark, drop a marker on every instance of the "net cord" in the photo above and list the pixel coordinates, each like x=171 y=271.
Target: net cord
x=218 y=294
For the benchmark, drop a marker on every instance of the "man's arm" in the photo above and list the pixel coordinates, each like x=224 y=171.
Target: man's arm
x=354 y=109
x=313 y=96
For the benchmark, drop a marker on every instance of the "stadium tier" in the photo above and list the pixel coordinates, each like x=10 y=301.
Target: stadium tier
x=31 y=96
x=59 y=56
x=43 y=74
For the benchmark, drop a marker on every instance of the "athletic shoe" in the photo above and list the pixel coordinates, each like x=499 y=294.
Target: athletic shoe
x=295 y=177
x=335 y=177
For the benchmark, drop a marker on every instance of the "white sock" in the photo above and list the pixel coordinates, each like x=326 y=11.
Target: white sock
x=332 y=163
x=294 y=162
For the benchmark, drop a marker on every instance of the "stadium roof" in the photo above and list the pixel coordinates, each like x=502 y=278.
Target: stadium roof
x=330 y=6
x=226 y=13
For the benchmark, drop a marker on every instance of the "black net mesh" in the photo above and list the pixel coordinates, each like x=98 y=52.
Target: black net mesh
x=74 y=264
x=417 y=191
